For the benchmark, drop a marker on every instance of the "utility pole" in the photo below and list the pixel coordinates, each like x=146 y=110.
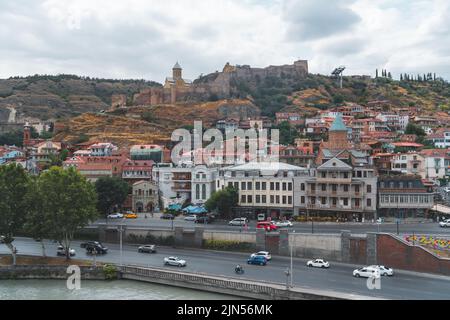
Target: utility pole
x=120 y=237
x=292 y=270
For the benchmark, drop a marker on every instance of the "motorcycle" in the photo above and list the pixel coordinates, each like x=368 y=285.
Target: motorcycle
x=239 y=270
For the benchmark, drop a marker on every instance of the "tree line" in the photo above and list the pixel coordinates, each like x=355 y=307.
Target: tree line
x=53 y=205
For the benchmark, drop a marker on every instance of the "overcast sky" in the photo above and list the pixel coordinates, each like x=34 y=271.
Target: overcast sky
x=144 y=38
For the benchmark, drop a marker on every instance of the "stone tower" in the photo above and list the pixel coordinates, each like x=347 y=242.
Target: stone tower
x=177 y=72
x=26 y=135
x=337 y=135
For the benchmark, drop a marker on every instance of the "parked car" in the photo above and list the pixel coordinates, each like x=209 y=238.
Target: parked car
x=96 y=248
x=238 y=222
x=264 y=254
x=267 y=225
x=261 y=217
x=445 y=223
x=61 y=252
x=202 y=219
x=130 y=216
x=282 y=224
x=116 y=215
x=167 y=216
x=366 y=272
x=384 y=271
x=148 y=248
x=318 y=263
x=2 y=239
x=174 y=261
x=191 y=217
x=261 y=260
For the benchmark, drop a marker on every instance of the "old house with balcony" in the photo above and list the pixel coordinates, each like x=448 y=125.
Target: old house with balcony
x=403 y=196
x=337 y=189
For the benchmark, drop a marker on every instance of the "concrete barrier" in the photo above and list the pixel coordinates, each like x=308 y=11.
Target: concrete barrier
x=232 y=286
x=48 y=272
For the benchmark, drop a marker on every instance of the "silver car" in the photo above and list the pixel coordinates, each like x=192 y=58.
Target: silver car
x=148 y=248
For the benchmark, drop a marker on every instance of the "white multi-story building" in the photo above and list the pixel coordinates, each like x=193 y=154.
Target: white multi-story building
x=264 y=187
x=394 y=121
x=177 y=184
x=408 y=163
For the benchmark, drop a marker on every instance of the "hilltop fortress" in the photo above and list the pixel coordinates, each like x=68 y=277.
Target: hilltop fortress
x=218 y=85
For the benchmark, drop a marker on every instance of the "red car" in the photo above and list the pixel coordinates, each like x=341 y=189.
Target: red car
x=268 y=225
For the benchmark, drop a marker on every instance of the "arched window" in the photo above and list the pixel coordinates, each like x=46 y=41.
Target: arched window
x=204 y=191
x=197 y=191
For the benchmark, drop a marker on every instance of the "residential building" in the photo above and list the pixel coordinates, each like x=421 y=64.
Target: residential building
x=337 y=189
x=137 y=170
x=264 y=187
x=408 y=163
x=403 y=196
x=102 y=149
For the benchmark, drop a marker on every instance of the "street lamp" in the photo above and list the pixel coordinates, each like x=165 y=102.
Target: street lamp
x=287 y=273
x=120 y=240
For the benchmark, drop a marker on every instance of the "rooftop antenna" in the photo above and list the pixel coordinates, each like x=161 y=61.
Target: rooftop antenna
x=338 y=74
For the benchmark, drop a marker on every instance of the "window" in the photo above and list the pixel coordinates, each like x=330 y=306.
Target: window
x=243 y=198
x=289 y=186
x=263 y=186
x=345 y=188
x=277 y=199
x=356 y=189
x=236 y=185
x=324 y=174
x=272 y=199
x=272 y=186
x=197 y=191
x=230 y=184
x=289 y=199
x=302 y=186
x=249 y=199
x=345 y=201
x=345 y=175
x=277 y=185
x=369 y=202
x=283 y=200
x=302 y=199
x=243 y=186
x=263 y=198
x=369 y=188
x=258 y=198
x=284 y=187
x=249 y=185
x=357 y=203
x=257 y=185
x=324 y=187
x=334 y=201
x=204 y=191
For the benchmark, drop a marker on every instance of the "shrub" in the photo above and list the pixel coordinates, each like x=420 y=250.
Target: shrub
x=227 y=245
x=110 y=272
x=149 y=238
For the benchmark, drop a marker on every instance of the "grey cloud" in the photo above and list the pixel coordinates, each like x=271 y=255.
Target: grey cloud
x=315 y=19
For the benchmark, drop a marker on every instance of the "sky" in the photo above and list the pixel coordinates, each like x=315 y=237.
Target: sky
x=142 y=39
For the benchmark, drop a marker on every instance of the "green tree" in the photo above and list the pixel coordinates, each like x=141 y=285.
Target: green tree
x=14 y=188
x=288 y=134
x=37 y=223
x=223 y=201
x=68 y=203
x=112 y=192
x=412 y=128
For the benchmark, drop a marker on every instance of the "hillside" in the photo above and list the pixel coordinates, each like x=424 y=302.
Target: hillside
x=139 y=125
x=63 y=96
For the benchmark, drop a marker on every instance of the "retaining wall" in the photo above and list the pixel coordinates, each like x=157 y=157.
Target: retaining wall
x=48 y=272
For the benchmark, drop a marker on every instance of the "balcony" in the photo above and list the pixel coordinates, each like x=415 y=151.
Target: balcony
x=330 y=193
x=339 y=207
x=182 y=187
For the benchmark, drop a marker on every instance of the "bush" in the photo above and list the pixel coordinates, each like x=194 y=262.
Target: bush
x=110 y=272
x=227 y=245
x=151 y=239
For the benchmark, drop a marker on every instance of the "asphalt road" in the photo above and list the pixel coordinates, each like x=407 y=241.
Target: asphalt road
x=337 y=278
x=299 y=227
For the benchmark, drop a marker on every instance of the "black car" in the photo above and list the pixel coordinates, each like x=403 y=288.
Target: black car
x=202 y=220
x=168 y=216
x=85 y=244
x=96 y=249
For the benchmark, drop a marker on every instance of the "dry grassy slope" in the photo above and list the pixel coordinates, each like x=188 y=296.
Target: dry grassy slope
x=128 y=129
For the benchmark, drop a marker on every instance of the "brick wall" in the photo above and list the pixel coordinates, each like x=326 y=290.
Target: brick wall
x=396 y=253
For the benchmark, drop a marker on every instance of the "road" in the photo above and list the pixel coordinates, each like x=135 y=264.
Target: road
x=337 y=278
x=299 y=227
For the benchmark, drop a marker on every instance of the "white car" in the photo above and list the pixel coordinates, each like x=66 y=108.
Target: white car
x=191 y=217
x=384 y=271
x=318 y=263
x=265 y=254
x=282 y=224
x=445 y=223
x=174 y=261
x=238 y=222
x=367 y=272
x=116 y=215
x=61 y=252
